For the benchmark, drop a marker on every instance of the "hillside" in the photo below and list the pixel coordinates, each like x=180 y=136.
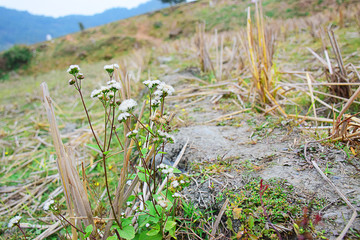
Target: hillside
x=200 y=121
x=21 y=27
x=118 y=38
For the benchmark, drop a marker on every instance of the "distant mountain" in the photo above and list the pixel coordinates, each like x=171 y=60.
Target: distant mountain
x=21 y=27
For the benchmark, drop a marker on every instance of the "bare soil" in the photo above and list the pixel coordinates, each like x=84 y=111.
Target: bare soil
x=272 y=151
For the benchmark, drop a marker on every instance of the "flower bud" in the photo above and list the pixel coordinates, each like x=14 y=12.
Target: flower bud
x=71 y=81
x=80 y=76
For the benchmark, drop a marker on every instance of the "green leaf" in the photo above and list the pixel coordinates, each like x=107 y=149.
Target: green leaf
x=172 y=233
x=93 y=146
x=131 y=198
x=160 y=152
x=112 y=238
x=154 y=231
x=106 y=153
x=251 y=222
x=140 y=168
x=126 y=221
x=144 y=236
x=144 y=151
x=142 y=177
x=169 y=225
x=88 y=230
x=128 y=232
x=176 y=170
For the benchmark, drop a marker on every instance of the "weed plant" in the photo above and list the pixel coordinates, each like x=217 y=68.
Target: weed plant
x=146 y=195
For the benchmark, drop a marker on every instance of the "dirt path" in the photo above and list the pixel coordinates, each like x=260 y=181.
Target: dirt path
x=269 y=151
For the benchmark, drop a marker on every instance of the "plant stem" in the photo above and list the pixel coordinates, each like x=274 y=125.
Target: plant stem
x=112 y=126
x=71 y=224
x=18 y=225
x=88 y=117
x=117 y=234
x=108 y=192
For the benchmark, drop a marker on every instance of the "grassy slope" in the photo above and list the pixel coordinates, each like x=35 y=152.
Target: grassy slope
x=118 y=38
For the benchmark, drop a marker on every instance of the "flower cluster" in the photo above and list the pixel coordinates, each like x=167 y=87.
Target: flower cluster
x=162 y=202
x=125 y=107
x=162 y=90
x=73 y=69
x=132 y=134
x=113 y=85
x=177 y=195
x=110 y=68
x=14 y=221
x=151 y=83
x=123 y=116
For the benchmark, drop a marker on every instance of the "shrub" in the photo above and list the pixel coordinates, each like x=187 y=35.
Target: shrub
x=16 y=57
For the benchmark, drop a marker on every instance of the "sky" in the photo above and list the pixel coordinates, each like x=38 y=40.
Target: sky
x=58 y=8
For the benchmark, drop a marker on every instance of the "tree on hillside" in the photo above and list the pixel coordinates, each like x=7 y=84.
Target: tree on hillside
x=81 y=26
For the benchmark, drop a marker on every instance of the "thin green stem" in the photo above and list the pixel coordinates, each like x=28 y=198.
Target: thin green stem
x=88 y=117
x=108 y=192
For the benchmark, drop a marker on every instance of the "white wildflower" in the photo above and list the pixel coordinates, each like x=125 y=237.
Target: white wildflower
x=170 y=170
x=128 y=182
x=127 y=105
x=128 y=203
x=110 y=68
x=151 y=83
x=165 y=171
x=104 y=89
x=176 y=195
x=106 y=67
x=47 y=204
x=111 y=82
x=123 y=116
x=122 y=214
x=73 y=69
x=182 y=182
x=114 y=85
x=163 y=204
x=147 y=225
x=175 y=184
x=13 y=221
x=161 y=165
x=156 y=101
x=158 y=94
x=95 y=93
x=131 y=134
x=164 y=90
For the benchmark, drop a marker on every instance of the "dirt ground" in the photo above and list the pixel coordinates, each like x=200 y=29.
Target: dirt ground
x=272 y=151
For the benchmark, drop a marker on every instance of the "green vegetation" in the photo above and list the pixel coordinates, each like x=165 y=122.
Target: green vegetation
x=14 y=58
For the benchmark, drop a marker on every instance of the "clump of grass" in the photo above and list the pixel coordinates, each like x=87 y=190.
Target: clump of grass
x=260 y=49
